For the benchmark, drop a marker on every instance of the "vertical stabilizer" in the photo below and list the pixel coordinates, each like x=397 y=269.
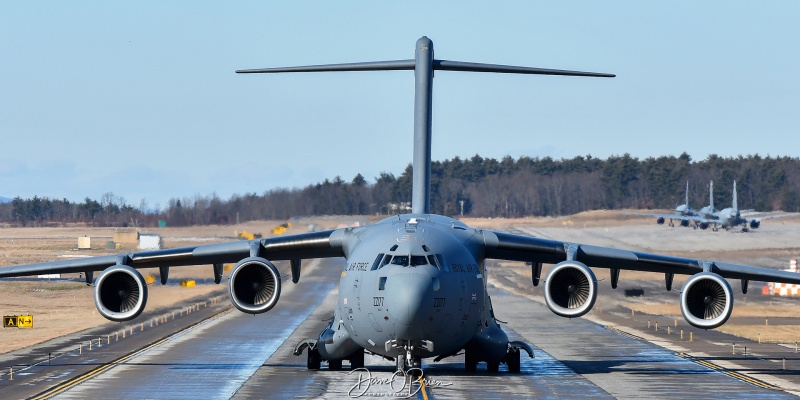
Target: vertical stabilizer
x=711 y=195
x=423 y=96
x=735 y=204
x=687 y=194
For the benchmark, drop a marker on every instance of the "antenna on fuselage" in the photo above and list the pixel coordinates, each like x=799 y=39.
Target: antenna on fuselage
x=423 y=65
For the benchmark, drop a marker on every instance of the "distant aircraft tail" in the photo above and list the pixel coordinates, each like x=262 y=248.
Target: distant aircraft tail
x=423 y=66
x=687 y=194
x=735 y=204
x=711 y=195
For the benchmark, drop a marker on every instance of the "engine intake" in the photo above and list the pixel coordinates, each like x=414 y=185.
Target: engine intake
x=254 y=285
x=120 y=293
x=570 y=289
x=754 y=224
x=706 y=300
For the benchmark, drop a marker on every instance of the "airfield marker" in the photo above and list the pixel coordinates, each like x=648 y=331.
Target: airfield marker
x=11 y=373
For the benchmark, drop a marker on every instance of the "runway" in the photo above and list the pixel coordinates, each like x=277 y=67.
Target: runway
x=235 y=355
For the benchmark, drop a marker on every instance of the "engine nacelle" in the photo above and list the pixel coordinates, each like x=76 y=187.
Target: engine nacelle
x=570 y=289
x=120 y=293
x=706 y=300
x=684 y=223
x=704 y=225
x=254 y=285
x=660 y=220
x=754 y=224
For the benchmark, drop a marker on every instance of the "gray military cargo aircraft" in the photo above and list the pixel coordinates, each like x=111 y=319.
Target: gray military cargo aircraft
x=413 y=286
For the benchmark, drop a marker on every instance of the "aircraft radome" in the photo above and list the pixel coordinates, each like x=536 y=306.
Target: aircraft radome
x=413 y=285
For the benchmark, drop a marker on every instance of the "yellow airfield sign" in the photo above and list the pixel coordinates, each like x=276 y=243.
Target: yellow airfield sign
x=25 y=321
x=10 y=321
x=18 y=321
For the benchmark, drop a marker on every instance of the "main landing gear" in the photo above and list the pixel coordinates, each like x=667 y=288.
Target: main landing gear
x=512 y=359
x=314 y=358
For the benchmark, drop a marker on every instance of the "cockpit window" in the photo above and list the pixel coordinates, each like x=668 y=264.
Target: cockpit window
x=400 y=260
x=418 y=260
x=377 y=263
x=432 y=261
x=442 y=264
x=386 y=260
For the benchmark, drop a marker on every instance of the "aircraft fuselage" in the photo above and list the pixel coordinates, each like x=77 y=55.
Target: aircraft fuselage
x=415 y=283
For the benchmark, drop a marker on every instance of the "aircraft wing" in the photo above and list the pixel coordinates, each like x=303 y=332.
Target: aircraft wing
x=673 y=216
x=757 y=216
x=294 y=247
x=505 y=246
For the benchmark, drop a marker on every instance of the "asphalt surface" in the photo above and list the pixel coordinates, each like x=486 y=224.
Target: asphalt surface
x=214 y=352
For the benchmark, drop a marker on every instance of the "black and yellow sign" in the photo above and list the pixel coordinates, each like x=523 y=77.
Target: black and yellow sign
x=10 y=321
x=18 y=321
x=25 y=321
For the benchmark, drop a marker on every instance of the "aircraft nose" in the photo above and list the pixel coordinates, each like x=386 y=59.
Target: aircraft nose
x=406 y=296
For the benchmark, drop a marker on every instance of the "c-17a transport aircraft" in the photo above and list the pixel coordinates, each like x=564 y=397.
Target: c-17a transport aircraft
x=413 y=285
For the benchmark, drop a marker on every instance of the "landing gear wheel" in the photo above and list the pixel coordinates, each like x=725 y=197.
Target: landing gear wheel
x=334 y=365
x=357 y=360
x=415 y=367
x=400 y=363
x=492 y=367
x=314 y=359
x=513 y=361
x=470 y=363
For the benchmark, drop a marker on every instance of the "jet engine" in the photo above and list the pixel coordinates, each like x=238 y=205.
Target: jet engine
x=570 y=289
x=684 y=223
x=706 y=300
x=704 y=225
x=754 y=224
x=660 y=220
x=254 y=285
x=120 y=293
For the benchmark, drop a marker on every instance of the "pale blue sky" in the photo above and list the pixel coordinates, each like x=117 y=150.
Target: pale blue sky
x=140 y=98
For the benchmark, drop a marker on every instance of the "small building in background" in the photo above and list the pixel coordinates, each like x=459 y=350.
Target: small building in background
x=84 y=243
x=131 y=238
x=150 y=241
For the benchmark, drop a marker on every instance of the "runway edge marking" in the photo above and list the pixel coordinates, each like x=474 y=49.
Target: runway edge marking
x=63 y=387
x=732 y=374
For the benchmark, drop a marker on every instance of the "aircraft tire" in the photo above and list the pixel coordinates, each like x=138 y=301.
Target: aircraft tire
x=314 y=359
x=335 y=365
x=470 y=363
x=513 y=361
x=357 y=360
x=492 y=367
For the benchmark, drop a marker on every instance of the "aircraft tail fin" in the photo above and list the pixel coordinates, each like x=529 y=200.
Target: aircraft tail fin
x=735 y=204
x=687 y=194
x=711 y=195
x=423 y=65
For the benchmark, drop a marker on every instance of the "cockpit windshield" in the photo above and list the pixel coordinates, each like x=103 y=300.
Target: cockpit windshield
x=418 y=260
x=406 y=260
x=400 y=260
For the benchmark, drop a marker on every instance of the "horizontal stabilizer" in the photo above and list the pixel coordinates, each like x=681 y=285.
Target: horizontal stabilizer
x=442 y=65
x=396 y=65
x=446 y=65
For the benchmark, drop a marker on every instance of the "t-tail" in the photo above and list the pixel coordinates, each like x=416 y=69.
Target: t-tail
x=423 y=66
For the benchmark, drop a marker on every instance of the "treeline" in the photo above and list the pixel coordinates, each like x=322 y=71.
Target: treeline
x=480 y=187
